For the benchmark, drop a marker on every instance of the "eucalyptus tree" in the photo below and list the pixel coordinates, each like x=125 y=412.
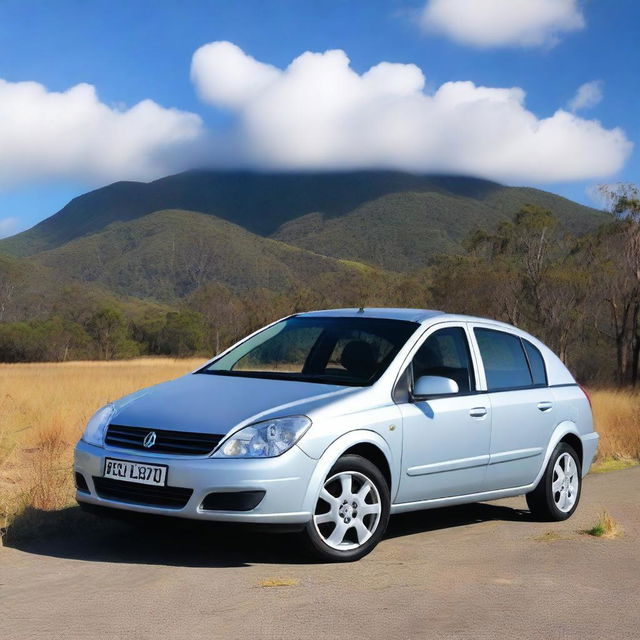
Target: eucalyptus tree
x=618 y=260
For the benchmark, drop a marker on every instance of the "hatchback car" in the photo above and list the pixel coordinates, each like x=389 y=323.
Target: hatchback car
x=330 y=421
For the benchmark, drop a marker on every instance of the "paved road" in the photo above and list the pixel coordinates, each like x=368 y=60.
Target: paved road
x=464 y=572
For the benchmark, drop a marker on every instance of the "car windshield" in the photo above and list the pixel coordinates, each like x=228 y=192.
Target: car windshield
x=330 y=350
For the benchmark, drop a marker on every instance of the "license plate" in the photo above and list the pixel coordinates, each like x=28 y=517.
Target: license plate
x=154 y=474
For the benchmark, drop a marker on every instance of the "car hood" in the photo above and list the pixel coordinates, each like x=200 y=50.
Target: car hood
x=217 y=403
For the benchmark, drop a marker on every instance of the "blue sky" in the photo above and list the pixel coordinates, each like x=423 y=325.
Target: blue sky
x=142 y=50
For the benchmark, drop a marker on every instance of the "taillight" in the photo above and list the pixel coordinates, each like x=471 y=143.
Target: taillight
x=586 y=393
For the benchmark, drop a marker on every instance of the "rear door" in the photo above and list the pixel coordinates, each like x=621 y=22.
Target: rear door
x=523 y=416
x=445 y=447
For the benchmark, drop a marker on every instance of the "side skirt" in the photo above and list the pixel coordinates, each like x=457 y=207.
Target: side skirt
x=403 y=507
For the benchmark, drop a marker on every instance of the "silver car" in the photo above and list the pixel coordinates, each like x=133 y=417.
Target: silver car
x=331 y=421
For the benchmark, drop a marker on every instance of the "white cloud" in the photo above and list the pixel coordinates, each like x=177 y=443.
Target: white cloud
x=319 y=113
x=240 y=76
x=8 y=226
x=588 y=95
x=46 y=134
x=503 y=23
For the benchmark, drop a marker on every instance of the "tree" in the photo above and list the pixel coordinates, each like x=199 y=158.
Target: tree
x=146 y=328
x=618 y=253
x=538 y=282
x=476 y=285
x=11 y=281
x=110 y=333
x=60 y=339
x=7 y=287
x=18 y=342
x=77 y=303
x=183 y=334
x=222 y=312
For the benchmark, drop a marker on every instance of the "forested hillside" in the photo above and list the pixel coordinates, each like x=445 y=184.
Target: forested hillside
x=116 y=273
x=169 y=254
x=262 y=202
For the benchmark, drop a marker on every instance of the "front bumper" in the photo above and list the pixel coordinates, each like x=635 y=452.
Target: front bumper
x=283 y=479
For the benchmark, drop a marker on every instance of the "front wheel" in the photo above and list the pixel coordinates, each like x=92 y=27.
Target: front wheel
x=351 y=513
x=557 y=495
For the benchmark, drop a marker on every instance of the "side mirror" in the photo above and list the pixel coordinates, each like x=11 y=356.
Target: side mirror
x=428 y=386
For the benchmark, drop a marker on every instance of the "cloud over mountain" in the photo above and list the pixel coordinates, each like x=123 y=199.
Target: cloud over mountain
x=317 y=113
x=72 y=134
x=320 y=113
x=503 y=23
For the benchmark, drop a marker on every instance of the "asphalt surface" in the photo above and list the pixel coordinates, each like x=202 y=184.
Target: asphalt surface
x=470 y=572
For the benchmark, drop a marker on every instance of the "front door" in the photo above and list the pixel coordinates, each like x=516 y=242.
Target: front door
x=446 y=440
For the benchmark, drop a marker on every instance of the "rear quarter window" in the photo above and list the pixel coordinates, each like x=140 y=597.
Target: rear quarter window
x=536 y=362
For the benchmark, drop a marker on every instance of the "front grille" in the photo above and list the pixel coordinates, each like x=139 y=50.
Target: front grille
x=143 y=494
x=176 y=442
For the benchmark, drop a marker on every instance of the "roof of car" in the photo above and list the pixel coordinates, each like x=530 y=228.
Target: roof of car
x=412 y=315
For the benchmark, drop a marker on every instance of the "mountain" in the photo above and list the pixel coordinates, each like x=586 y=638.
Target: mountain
x=168 y=254
x=399 y=231
x=160 y=241
x=388 y=218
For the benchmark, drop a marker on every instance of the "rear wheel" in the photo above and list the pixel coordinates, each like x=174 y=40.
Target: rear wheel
x=351 y=513
x=557 y=495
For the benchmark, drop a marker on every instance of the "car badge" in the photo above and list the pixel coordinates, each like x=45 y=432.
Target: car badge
x=149 y=440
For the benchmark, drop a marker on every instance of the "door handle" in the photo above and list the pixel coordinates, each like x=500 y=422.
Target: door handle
x=478 y=412
x=545 y=406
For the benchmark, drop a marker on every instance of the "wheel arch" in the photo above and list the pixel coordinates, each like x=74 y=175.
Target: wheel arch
x=368 y=444
x=574 y=441
x=374 y=454
x=566 y=431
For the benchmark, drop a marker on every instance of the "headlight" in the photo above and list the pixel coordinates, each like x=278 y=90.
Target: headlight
x=266 y=439
x=94 y=433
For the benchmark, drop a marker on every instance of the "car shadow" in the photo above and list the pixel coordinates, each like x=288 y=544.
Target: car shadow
x=72 y=534
x=405 y=524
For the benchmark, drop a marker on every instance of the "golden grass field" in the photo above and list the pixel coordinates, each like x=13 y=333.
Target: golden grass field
x=44 y=407
x=43 y=410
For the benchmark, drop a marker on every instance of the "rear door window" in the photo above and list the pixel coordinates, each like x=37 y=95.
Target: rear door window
x=504 y=359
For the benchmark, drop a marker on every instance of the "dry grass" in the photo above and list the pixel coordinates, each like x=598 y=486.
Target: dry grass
x=604 y=465
x=44 y=407
x=606 y=527
x=551 y=536
x=43 y=410
x=617 y=419
x=278 y=582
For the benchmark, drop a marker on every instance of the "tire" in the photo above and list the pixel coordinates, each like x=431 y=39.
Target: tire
x=351 y=513
x=557 y=496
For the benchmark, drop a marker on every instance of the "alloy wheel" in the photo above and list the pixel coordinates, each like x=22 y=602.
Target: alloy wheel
x=348 y=510
x=565 y=482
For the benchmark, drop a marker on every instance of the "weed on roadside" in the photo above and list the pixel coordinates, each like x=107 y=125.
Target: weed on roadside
x=606 y=527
